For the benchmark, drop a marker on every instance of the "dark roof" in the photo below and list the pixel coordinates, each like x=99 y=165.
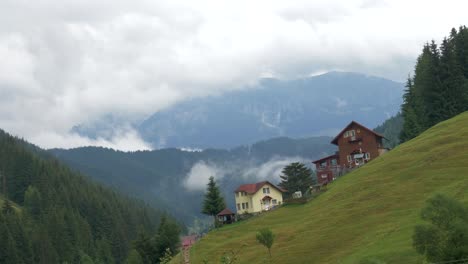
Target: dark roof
x=335 y=140
x=254 y=187
x=325 y=158
x=226 y=211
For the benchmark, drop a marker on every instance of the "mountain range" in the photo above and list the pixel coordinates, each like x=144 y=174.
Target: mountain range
x=313 y=106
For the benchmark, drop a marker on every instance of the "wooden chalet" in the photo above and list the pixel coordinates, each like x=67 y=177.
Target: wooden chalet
x=357 y=145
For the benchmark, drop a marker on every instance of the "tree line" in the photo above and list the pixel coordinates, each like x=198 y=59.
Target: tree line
x=439 y=88
x=50 y=214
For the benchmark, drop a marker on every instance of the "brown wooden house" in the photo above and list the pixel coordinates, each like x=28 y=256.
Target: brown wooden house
x=357 y=145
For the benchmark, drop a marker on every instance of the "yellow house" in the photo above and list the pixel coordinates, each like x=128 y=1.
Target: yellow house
x=257 y=197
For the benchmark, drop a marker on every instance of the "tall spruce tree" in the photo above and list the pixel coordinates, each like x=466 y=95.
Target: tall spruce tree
x=296 y=177
x=214 y=201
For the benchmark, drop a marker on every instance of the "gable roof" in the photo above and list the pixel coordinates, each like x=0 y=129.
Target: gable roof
x=335 y=140
x=226 y=211
x=254 y=187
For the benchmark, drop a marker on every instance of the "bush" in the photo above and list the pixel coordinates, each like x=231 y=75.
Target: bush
x=445 y=235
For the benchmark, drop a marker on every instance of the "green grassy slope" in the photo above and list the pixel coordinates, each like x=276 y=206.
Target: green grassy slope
x=367 y=215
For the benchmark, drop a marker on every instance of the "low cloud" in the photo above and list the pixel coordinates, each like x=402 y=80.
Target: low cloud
x=271 y=170
x=199 y=175
x=122 y=140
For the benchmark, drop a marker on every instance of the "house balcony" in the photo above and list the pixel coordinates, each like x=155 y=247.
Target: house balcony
x=329 y=168
x=354 y=139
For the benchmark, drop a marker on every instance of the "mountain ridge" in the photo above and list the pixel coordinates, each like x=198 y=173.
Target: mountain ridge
x=305 y=107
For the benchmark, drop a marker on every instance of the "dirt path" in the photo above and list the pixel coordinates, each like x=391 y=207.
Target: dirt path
x=186 y=254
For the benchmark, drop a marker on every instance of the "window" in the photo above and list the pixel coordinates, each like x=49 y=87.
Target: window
x=274 y=201
x=349 y=133
x=350 y=158
x=237 y=194
x=367 y=155
x=247 y=205
x=266 y=190
x=238 y=206
x=334 y=162
x=243 y=206
x=324 y=176
x=323 y=164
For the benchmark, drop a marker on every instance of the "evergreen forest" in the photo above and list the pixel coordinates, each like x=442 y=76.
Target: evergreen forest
x=438 y=90
x=50 y=214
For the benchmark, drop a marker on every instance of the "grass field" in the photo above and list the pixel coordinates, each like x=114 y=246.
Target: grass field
x=367 y=216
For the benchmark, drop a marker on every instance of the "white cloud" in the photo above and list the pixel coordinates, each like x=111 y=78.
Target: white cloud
x=199 y=175
x=66 y=62
x=271 y=170
x=122 y=140
x=340 y=102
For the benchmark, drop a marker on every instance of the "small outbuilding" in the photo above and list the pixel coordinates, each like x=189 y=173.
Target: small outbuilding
x=226 y=216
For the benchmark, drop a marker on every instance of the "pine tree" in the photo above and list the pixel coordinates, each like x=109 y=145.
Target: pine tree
x=167 y=236
x=296 y=177
x=439 y=88
x=412 y=124
x=213 y=202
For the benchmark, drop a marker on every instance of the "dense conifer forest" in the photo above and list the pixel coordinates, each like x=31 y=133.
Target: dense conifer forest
x=439 y=88
x=391 y=129
x=50 y=214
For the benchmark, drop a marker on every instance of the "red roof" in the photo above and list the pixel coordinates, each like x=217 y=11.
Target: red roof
x=226 y=211
x=327 y=157
x=335 y=140
x=254 y=187
x=188 y=240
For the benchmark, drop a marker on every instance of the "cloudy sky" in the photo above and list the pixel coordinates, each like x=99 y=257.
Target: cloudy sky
x=66 y=62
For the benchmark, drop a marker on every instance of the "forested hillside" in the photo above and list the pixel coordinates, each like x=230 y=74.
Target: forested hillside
x=176 y=179
x=50 y=214
x=439 y=88
x=391 y=129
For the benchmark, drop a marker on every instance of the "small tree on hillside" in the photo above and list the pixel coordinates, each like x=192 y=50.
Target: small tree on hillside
x=168 y=236
x=445 y=237
x=266 y=237
x=296 y=177
x=214 y=202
